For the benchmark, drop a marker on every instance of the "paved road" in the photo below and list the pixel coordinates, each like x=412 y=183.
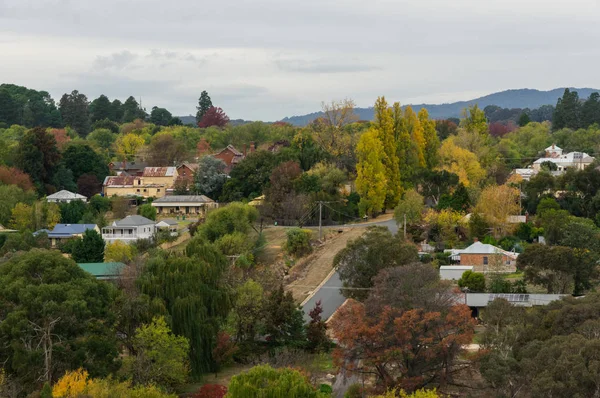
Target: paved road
x=330 y=297
x=329 y=293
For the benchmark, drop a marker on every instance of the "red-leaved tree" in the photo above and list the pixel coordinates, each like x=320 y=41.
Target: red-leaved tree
x=224 y=350
x=88 y=185
x=214 y=116
x=61 y=137
x=407 y=350
x=210 y=391
x=316 y=331
x=14 y=176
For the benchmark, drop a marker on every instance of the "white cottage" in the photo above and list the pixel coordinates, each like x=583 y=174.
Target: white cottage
x=129 y=229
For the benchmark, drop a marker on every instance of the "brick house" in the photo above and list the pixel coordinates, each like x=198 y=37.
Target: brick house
x=231 y=156
x=485 y=257
x=186 y=171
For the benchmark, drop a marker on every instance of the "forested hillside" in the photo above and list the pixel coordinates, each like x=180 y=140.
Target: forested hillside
x=519 y=98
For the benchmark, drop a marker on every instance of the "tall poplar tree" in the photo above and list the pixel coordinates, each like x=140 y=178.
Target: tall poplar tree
x=415 y=130
x=371 y=182
x=405 y=148
x=384 y=122
x=432 y=142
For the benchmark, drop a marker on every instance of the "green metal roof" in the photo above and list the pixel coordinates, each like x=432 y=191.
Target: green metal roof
x=103 y=270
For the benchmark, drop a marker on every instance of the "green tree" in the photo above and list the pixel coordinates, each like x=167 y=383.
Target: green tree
x=118 y=111
x=249 y=177
x=298 y=242
x=362 y=259
x=568 y=111
x=161 y=116
x=406 y=148
x=51 y=310
x=204 y=104
x=210 y=177
x=284 y=323
x=246 y=316
x=132 y=110
x=473 y=281
x=72 y=212
x=161 y=358
x=82 y=159
x=75 y=112
x=38 y=156
x=410 y=206
x=235 y=217
x=371 y=181
x=557 y=268
x=102 y=139
x=148 y=211
x=101 y=109
x=190 y=290
x=384 y=123
x=590 y=112
x=524 y=119
x=89 y=249
x=474 y=120
x=10 y=196
x=266 y=382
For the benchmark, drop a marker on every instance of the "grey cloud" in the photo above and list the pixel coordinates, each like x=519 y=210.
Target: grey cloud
x=116 y=61
x=307 y=66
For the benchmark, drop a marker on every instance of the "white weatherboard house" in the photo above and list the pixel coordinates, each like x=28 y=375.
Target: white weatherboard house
x=129 y=229
x=65 y=196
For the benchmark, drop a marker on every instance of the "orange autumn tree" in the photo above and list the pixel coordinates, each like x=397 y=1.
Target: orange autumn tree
x=408 y=350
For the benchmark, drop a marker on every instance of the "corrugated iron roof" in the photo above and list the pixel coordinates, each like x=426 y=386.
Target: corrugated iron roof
x=159 y=171
x=122 y=180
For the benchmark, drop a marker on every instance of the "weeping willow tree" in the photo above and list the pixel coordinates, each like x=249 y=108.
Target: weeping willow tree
x=190 y=290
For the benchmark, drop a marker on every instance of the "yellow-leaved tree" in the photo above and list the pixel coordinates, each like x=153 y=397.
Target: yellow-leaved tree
x=497 y=204
x=402 y=394
x=127 y=145
x=448 y=224
x=415 y=130
x=432 y=142
x=384 y=123
x=371 y=182
x=72 y=384
x=119 y=251
x=461 y=162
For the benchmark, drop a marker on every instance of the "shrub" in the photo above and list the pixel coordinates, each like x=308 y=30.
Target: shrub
x=298 y=242
x=210 y=391
x=474 y=281
x=147 y=211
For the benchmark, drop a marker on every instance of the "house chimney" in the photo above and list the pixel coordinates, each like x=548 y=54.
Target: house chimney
x=252 y=147
x=475 y=239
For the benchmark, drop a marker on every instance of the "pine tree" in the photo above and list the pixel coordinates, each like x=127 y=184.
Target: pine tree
x=432 y=142
x=75 y=113
x=89 y=249
x=416 y=134
x=101 y=108
x=590 y=113
x=204 y=104
x=524 y=119
x=371 y=182
x=568 y=111
x=384 y=123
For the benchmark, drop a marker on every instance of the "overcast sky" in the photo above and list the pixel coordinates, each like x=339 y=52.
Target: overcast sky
x=267 y=59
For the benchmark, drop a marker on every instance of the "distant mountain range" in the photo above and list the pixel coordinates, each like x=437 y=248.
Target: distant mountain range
x=519 y=98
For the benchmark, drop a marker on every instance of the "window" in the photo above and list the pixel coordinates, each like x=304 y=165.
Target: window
x=158 y=190
x=139 y=182
x=138 y=190
x=145 y=190
x=485 y=260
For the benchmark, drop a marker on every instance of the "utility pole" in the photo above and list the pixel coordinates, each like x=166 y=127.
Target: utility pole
x=320 y=217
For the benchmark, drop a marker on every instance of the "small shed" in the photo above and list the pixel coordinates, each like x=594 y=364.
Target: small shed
x=110 y=270
x=453 y=272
